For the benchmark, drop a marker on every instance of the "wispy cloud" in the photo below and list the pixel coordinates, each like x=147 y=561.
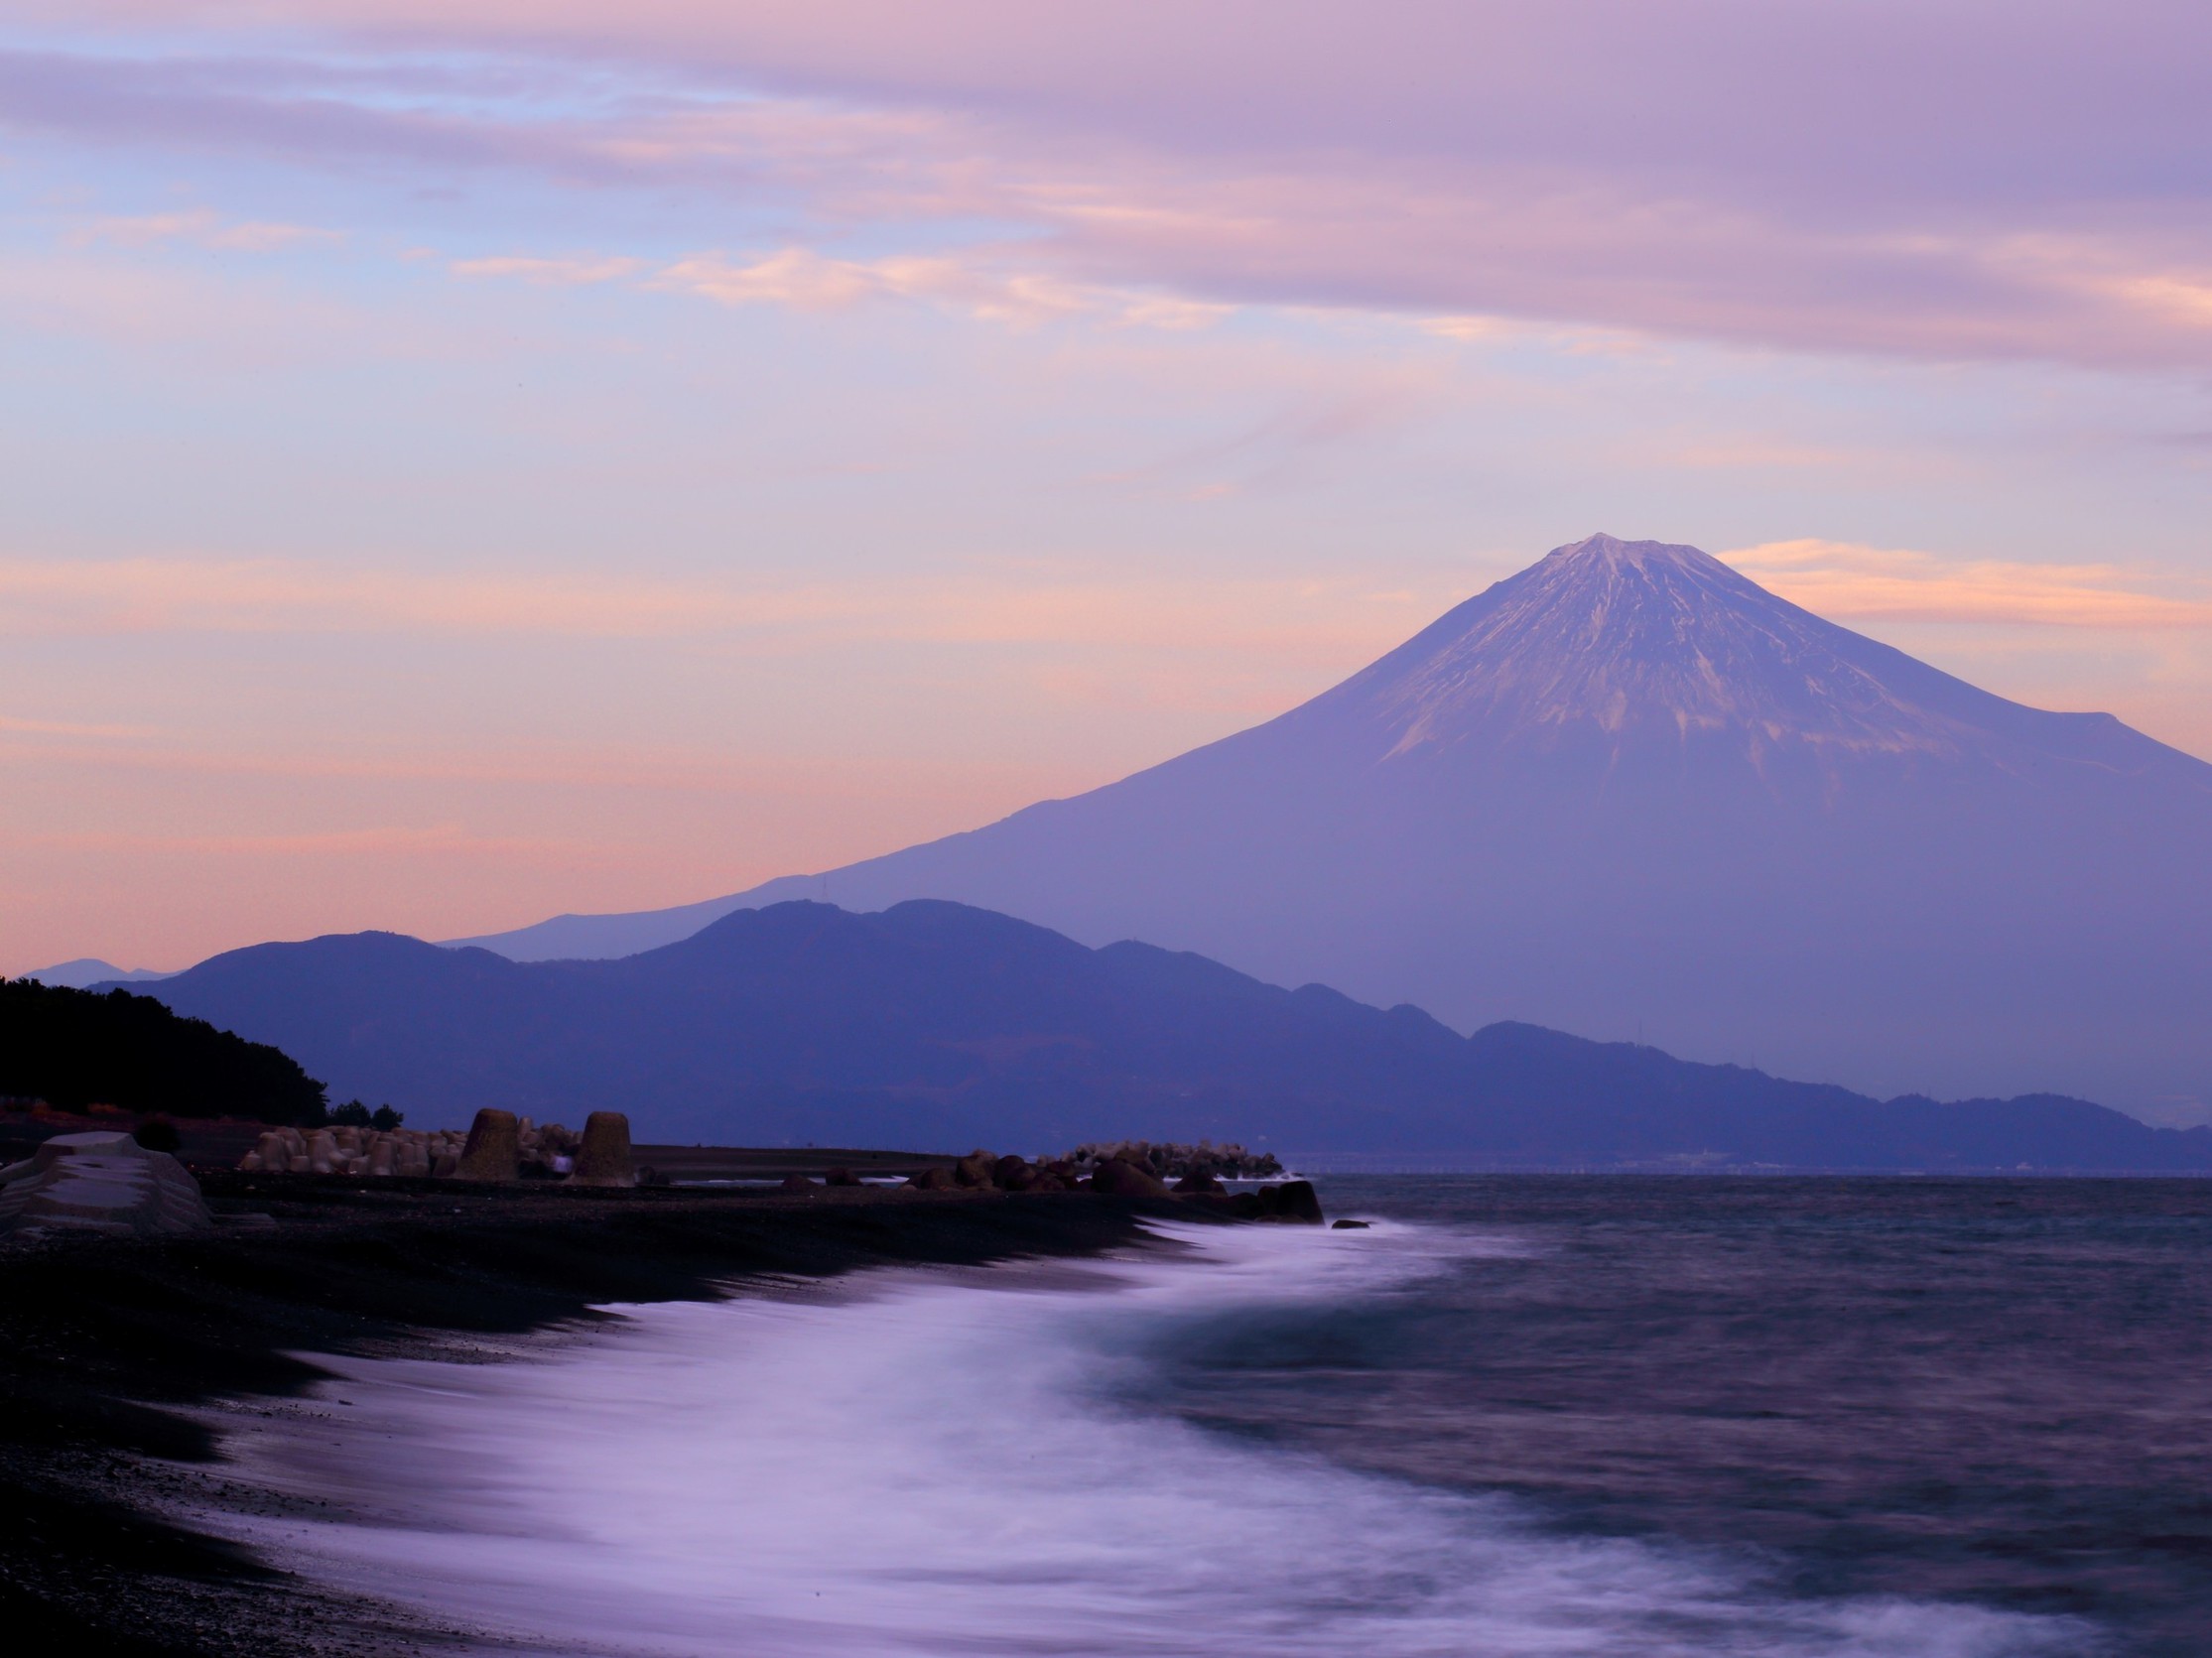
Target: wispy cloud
x=983 y=286
x=801 y=278
x=1294 y=616
x=201 y=227
x=1007 y=604
x=1871 y=583
x=570 y=271
x=989 y=285
x=1583 y=164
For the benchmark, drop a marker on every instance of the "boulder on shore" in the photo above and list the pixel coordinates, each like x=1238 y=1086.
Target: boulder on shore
x=1126 y=1180
x=494 y=1148
x=604 y=1157
x=1293 y=1200
x=1200 y=1183
x=939 y=1179
x=101 y=1183
x=975 y=1170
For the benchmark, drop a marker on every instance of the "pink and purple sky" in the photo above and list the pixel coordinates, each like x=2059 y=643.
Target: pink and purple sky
x=477 y=460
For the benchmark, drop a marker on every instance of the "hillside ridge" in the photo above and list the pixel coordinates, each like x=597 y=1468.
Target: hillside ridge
x=934 y=1023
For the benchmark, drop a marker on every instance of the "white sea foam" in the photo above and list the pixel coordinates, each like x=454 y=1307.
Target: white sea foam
x=944 y=1463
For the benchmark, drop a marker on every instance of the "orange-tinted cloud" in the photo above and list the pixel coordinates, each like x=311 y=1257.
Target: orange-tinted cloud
x=1005 y=606
x=1870 y=584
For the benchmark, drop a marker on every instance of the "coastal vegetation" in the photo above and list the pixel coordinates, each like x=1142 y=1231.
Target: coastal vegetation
x=76 y=1047
x=354 y=1114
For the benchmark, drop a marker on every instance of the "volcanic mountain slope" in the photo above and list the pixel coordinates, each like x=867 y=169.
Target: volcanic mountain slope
x=1630 y=790
x=936 y=1026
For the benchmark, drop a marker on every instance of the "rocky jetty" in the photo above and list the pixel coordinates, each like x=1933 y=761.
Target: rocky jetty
x=348 y=1150
x=1133 y=1171
x=497 y=1146
x=101 y=1183
x=500 y=1147
x=1169 y=1160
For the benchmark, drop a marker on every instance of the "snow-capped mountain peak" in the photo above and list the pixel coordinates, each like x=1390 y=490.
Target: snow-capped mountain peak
x=1615 y=642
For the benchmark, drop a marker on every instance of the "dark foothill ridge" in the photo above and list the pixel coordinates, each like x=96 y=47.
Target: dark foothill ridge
x=937 y=1023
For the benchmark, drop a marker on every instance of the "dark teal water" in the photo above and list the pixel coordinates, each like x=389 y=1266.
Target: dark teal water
x=1996 y=1392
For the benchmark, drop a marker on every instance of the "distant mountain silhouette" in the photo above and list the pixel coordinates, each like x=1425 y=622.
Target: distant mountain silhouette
x=90 y=969
x=1629 y=789
x=936 y=1026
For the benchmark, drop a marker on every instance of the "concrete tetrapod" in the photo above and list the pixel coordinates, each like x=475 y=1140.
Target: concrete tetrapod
x=604 y=1157
x=494 y=1148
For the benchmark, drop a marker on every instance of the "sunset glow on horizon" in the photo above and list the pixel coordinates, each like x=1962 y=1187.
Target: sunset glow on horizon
x=473 y=462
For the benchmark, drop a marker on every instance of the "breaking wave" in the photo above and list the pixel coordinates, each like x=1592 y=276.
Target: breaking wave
x=964 y=1462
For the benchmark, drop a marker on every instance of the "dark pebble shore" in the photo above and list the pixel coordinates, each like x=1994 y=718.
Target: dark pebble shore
x=103 y=1335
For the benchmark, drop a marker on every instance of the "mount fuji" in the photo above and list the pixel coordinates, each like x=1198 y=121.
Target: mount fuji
x=1630 y=793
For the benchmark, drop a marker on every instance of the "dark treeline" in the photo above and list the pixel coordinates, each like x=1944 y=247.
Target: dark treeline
x=75 y=1048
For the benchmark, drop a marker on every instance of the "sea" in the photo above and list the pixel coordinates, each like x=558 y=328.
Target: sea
x=1519 y=1416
